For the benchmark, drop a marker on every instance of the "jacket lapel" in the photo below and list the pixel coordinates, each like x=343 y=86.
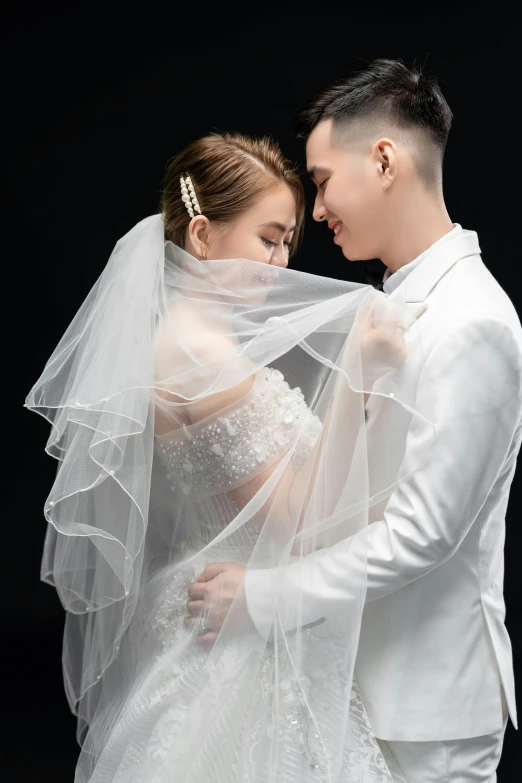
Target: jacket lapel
x=415 y=288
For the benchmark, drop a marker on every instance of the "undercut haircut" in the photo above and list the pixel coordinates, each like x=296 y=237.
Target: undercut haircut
x=386 y=98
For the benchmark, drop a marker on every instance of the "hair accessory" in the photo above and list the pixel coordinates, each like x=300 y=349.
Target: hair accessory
x=188 y=196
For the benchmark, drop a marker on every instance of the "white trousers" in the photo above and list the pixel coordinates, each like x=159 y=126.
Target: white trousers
x=473 y=760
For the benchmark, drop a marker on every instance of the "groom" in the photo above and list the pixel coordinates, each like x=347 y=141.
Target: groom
x=434 y=661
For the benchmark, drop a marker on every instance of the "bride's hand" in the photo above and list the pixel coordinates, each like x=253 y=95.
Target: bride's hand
x=381 y=331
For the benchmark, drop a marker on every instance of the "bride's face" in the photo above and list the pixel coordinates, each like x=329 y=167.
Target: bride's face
x=262 y=233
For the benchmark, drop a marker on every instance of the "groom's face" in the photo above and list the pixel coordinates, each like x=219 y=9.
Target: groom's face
x=350 y=196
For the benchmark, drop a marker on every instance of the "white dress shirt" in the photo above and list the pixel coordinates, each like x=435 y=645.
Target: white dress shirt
x=392 y=280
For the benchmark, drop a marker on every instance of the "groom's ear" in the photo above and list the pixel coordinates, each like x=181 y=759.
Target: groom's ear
x=386 y=161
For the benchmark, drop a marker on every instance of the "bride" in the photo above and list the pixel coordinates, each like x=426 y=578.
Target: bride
x=208 y=405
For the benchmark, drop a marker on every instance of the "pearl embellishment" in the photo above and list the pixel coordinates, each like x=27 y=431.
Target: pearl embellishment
x=223 y=453
x=188 y=196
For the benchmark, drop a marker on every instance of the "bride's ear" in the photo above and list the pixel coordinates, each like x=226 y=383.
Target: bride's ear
x=199 y=234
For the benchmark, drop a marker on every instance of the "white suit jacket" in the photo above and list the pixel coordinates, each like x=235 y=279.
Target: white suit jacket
x=434 y=654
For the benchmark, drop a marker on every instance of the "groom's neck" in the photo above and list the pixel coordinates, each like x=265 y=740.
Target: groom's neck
x=417 y=222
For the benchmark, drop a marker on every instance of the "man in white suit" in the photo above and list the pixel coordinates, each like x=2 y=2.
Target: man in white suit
x=434 y=663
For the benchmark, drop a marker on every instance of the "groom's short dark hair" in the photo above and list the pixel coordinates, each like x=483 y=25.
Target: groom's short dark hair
x=385 y=92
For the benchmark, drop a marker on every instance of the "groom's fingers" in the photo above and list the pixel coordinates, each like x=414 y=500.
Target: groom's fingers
x=206 y=639
x=197 y=591
x=211 y=571
x=203 y=638
x=195 y=607
x=190 y=622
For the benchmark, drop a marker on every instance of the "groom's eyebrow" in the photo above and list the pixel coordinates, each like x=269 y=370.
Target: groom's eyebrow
x=279 y=226
x=315 y=171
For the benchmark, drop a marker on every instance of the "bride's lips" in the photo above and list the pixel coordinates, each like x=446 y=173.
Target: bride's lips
x=266 y=279
x=336 y=226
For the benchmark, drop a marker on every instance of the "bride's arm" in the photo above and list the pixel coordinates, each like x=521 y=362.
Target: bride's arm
x=382 y=345
x=288 y=501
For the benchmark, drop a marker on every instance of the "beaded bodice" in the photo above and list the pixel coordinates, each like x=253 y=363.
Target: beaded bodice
x=225 y=451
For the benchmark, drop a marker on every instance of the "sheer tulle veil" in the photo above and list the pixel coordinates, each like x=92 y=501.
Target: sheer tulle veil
x=123 y=521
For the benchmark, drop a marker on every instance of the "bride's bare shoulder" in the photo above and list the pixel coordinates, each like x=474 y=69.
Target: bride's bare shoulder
x=188 y=339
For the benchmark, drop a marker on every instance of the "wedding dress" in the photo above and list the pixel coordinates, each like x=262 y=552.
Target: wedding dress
x=162 y=724
x=136 y=513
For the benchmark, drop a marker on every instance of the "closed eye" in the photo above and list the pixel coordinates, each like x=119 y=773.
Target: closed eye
x=271 y=244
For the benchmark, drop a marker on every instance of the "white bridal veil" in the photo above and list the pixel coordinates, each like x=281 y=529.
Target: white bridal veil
x=148 y=489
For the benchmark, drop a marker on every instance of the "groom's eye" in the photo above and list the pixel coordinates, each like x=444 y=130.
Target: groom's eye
x=323 y=183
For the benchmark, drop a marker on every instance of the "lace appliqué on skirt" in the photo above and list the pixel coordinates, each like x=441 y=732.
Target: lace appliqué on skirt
x=304 y=706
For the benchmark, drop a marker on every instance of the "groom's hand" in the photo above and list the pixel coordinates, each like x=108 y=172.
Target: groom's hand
x=217 y=594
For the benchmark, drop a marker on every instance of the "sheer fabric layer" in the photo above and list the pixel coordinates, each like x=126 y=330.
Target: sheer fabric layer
x=202 y=413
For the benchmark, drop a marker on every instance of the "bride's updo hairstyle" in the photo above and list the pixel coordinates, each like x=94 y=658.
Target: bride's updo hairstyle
x=229 y=172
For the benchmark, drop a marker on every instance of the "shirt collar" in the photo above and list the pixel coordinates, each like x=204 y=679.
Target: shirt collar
x=392 y=280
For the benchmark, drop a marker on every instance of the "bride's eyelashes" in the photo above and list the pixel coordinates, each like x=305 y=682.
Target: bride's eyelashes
x=271 y=244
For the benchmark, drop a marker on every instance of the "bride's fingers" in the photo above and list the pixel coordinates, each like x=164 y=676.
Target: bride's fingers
x=367 y=315
x=390 y=316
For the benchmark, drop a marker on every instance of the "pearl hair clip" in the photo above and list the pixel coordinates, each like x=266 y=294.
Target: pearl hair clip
x=188 y=196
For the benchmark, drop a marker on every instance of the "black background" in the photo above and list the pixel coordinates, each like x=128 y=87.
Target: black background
x=98 y=100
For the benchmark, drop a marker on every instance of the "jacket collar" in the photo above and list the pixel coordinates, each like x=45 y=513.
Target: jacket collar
x=423 y=278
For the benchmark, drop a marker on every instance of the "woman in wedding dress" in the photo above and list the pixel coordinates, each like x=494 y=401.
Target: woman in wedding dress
x=208 y=404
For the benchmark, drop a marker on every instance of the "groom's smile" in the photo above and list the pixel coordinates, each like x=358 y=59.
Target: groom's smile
x=353 y=176
x=336 y=227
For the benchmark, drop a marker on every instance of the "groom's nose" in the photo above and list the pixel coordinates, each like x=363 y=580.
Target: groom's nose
x=319 y=211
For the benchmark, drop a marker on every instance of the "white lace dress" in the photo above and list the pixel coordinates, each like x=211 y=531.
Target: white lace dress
x=163 y=732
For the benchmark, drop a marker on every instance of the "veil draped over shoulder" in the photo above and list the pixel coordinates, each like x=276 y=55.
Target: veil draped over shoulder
x=208 y=411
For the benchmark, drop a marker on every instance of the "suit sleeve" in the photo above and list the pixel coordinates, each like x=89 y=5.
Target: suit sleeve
x=471 y=389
